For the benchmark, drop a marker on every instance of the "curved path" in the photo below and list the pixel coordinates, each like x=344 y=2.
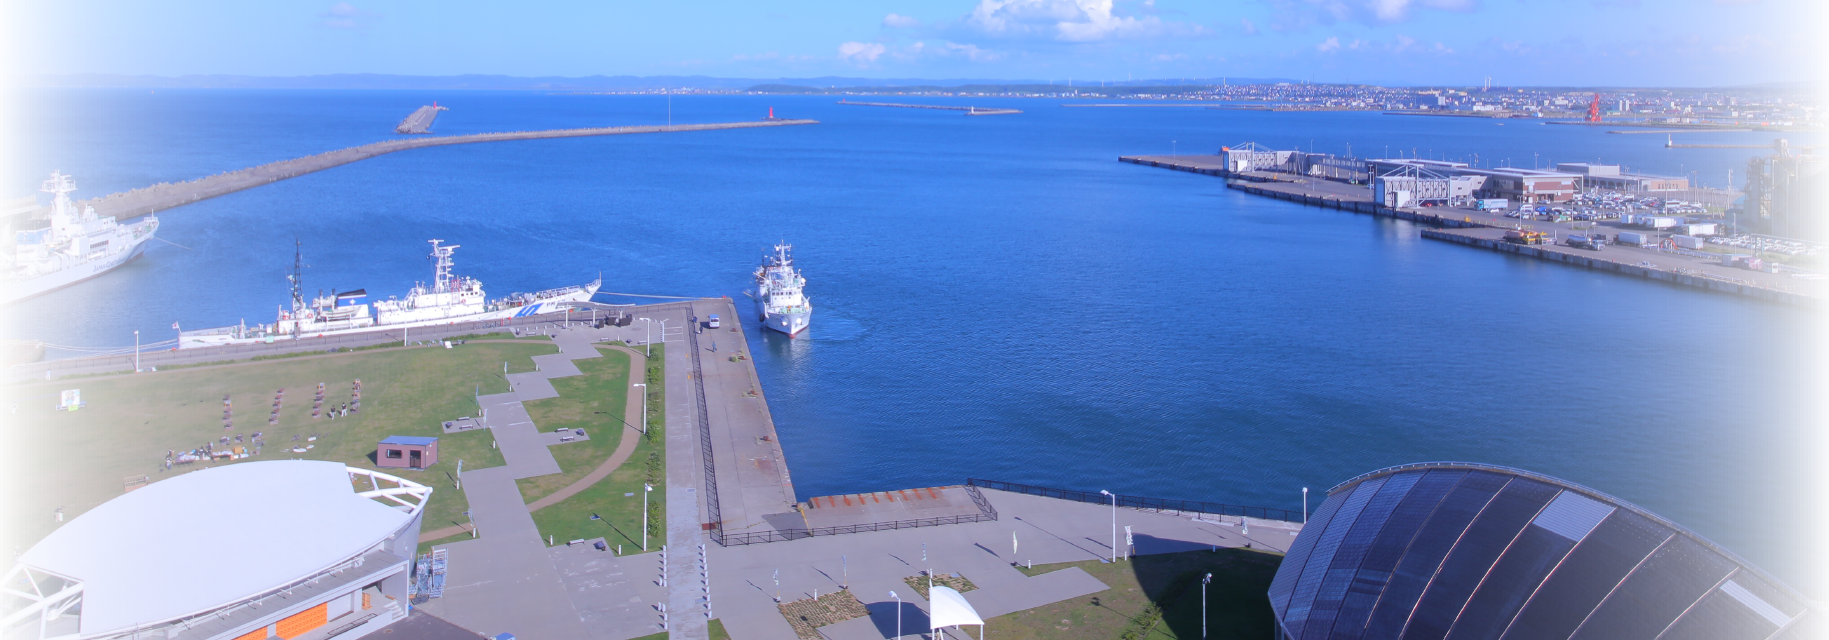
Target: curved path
x=638 y=366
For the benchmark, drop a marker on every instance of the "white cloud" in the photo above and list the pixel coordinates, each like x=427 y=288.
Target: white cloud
x=1330 y=44
x=894 y=21
x=1067 y=21
x=861 y=53
x=343 y=15
x=1249 y=27
x=1301 y=14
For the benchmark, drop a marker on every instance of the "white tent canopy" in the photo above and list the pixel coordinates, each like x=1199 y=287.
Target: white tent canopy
x=951 y=609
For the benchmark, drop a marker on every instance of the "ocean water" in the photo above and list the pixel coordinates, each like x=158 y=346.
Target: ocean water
x=998 y=297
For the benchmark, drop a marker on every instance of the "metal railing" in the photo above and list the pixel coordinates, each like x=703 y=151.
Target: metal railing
x=714 y=513
x=1160 y=505
x=759 y=537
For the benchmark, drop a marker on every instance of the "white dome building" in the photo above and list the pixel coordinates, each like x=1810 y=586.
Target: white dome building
x=294 y=550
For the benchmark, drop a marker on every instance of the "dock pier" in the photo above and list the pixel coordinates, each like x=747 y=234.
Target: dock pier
x=420 y=121
x=970 y=111
x=1485 y=230
x=159 y=197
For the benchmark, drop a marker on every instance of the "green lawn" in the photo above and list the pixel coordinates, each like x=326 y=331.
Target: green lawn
x=620 y=513
x=131 y=420
x=593 y=402
x=1156 y=597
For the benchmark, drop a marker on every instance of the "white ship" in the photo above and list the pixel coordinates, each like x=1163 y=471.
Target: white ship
x=75 y=247
x=449 y=299
x=781 y=298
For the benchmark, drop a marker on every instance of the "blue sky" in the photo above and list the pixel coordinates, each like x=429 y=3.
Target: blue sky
x=1540 y=42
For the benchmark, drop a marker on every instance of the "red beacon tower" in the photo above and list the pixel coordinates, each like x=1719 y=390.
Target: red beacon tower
x=1594 y=109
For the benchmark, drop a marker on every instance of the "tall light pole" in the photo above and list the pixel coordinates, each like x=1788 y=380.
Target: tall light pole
x=898 y=613
x=650 y=329
x=646 y=489
x=136 y=350
x=1203 y=604
x=1114 y=523
x=644 y=408
x=1304 y=505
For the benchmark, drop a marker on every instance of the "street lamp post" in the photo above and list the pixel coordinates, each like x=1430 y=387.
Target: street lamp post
x=644 y=407
x=136 y=351
x=649 y=327
x=646 y=489
x=1114 y=524
x=1304 y=505
x=898 y=613
x=1203 y=604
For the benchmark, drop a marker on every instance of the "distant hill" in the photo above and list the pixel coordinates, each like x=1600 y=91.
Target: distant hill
x=990 y=89
x=481 y=82
x=1800 y=85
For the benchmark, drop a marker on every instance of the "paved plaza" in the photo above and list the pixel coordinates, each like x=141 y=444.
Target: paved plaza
x=508 y=579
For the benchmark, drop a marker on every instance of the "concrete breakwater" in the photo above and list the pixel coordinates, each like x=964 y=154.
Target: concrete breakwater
x=159 y=197
x=970 y=111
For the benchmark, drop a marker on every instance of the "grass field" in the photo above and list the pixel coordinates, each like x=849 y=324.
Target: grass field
x=131 y=420
x=593 y=402
x=1156 y=597
x=617 y=499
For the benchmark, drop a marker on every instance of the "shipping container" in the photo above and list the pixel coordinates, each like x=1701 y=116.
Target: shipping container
x=1626 y=237
x=1687 y=242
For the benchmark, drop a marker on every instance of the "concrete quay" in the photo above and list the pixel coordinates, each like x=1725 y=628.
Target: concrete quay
x=547 y=323
x=159 y=197
x=1486 y=229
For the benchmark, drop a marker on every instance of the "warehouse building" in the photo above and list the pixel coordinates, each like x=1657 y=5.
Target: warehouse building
x=1414 y=186
x=286 y=549
x=1608 y=177
x=1456 y=550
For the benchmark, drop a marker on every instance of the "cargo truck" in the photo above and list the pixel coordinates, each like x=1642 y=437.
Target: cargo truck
x=1688 y=242
x=1490 y=204
x=1639 y=239
x=1592 y=243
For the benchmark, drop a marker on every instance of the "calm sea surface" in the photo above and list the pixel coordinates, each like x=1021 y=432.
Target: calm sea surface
x=998 y=297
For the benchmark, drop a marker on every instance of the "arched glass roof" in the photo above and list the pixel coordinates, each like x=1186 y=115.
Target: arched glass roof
x=1463 y=551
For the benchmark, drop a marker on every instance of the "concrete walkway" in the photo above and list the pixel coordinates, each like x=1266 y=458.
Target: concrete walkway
x=504 y=581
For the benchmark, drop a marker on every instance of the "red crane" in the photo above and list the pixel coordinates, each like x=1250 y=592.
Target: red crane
x=1594 y=109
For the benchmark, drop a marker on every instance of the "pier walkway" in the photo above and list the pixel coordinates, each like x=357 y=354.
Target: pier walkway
x=160 y=197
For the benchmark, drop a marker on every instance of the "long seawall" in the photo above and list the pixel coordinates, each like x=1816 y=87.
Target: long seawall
x=159 y=197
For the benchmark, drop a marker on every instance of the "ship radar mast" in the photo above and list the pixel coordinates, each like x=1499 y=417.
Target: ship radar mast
x=63 y=213
x=441 y=266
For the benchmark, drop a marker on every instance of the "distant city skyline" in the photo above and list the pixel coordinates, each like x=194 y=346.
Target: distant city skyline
x=1392 y=42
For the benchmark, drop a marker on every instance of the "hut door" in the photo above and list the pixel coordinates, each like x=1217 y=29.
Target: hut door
x=413 y=458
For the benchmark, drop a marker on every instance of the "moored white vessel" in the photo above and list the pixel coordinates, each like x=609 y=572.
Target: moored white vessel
x=781 y=298
x=76 y=246
x=449 y=299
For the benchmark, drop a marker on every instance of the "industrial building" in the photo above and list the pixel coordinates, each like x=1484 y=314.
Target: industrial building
x=296 y=550
x=1510 y=183
x=1411 y=186
x=1457 y=550
x=1608 y=177
x=1251 y=156
x=1788 y=194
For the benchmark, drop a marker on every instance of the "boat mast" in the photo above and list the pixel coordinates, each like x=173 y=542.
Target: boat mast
x=297 y=277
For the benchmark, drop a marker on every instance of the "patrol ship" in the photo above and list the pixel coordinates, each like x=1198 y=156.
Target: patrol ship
x=448 y=299
x=781 y=298
x=75 y=247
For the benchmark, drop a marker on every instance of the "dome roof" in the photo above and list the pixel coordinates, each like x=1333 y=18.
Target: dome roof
x=1456 y=550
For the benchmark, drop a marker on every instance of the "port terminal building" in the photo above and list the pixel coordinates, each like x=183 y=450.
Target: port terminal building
x=294 y=550
x=1458 y=550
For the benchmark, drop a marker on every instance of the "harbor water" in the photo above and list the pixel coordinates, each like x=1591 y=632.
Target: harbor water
x=998 y=297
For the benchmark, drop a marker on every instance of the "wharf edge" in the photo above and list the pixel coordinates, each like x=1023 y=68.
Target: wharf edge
x=1365 y=205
